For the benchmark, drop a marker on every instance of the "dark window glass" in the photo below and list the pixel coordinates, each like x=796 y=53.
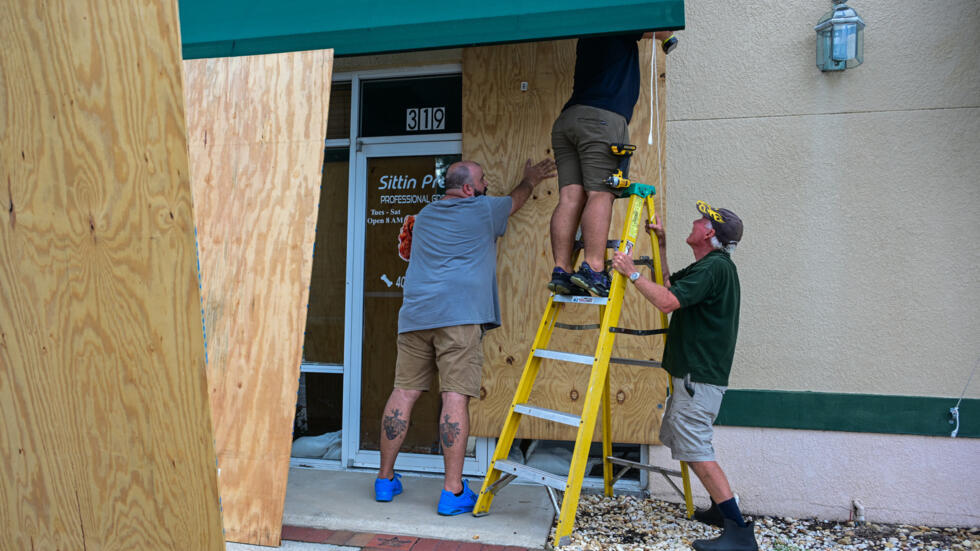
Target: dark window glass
x=324 y=336
x=412 y=106
x=338 y=118
x=319 y=416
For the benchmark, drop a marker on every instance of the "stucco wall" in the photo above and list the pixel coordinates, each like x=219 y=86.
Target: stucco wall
x=860 y=190
x=860 y=193
x=817 y=474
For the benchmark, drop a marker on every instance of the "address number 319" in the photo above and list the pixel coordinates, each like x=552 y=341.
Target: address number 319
x=425 y=118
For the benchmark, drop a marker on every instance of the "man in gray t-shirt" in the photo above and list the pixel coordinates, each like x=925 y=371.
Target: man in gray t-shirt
x=454 y=243
x=450 y=298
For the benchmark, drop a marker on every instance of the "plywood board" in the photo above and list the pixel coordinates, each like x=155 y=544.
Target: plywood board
x=105 y=434
x=256 y=127
x=503 y=126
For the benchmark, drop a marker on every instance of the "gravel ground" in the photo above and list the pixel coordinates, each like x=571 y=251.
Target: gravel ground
x=626 y=523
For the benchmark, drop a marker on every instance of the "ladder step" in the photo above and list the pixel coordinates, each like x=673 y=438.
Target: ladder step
x=563 y=356
x=549 y=414
x=588 y=360
x=599 y=301
x=523 y=472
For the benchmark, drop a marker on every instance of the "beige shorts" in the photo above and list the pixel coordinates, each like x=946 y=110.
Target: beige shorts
x=687 y=425
x=456 y=352
x=580 y=139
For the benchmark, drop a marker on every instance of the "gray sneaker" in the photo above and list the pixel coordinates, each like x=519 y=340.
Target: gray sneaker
x=595 y=282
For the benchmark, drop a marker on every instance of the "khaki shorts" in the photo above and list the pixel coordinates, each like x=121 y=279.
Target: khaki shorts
x=456 y=352
x=580 y=138
x=687 y=424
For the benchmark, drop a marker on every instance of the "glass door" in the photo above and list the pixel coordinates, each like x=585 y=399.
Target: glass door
x=394 y=181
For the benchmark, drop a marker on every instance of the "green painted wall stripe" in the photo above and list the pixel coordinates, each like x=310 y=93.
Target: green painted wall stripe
x=218 y=28
x=872 y=413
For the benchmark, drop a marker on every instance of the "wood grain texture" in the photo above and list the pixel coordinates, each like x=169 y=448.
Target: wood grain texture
x=256 y=127
x=503 y=126
x=105 y=433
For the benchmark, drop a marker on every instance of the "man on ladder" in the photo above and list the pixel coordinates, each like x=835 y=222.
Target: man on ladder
x=704 y=299
x=604 y=93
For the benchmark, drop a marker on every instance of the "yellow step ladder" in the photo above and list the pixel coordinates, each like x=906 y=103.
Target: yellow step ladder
x=502 y=471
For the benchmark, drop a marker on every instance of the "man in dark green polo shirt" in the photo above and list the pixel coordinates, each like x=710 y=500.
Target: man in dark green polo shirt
x=704 y=299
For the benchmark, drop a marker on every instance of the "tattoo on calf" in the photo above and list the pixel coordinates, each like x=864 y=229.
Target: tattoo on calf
x=449 y=432
x=394 y=425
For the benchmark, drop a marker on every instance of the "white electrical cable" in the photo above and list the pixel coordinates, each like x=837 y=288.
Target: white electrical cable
x=655 y=100
x=955 y=411
x=653 y=90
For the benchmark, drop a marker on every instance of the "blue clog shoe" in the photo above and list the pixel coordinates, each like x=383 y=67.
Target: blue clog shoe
x=450 y=504
x=385 y=489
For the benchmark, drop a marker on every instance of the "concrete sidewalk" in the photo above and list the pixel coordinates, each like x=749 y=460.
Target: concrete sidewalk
x=521 y=516
x=290 y=546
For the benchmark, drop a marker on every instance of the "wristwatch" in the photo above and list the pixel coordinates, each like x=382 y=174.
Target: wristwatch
x=634 y=276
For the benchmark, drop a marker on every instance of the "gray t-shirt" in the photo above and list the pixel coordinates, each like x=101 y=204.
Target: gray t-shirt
x=452 y=271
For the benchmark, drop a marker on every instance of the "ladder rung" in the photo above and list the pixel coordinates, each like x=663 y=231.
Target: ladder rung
x=523 y=472
x=627 y=361
x=563 y=356
x=599 y=301
x=549 y=414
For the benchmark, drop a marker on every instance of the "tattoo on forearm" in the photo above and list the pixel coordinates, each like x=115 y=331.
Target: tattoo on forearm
x=394 y=425
x=449 y=432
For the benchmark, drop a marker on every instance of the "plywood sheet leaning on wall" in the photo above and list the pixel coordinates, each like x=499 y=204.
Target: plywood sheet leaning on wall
x=256 y=127
x=503 y=126
x=105 y=434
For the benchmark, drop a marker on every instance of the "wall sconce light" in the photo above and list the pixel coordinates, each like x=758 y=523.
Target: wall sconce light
x=840 y=38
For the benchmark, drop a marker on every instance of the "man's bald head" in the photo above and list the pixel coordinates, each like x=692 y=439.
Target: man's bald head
x=460 y=174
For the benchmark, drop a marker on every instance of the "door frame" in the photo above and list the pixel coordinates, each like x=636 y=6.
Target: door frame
x=367 y=148
x=352 y=458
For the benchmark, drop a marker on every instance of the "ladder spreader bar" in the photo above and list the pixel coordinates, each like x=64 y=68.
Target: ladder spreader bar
x=637 y=332
x=549 y=414
x=644 y=466
x=572 y=327
x=627 y=361
x=523 y=472
x=563 y=356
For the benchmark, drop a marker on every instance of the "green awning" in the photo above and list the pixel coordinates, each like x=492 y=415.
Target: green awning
x=219 y=28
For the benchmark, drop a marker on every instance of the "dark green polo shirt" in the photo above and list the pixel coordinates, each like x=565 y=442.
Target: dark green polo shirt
x=702 y=332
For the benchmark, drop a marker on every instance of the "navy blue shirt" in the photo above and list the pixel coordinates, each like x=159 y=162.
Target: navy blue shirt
x=607 y=73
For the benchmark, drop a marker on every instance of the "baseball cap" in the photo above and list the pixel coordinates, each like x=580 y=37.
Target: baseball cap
x=727 y=224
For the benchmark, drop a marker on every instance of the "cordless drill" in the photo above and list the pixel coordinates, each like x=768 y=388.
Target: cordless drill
x=620 y=178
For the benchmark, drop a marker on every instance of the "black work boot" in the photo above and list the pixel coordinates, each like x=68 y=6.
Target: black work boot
x=712 y=515
x=733 y=538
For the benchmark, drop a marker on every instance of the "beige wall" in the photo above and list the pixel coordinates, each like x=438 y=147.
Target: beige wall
x=859 y=264
x=859 y=190
x=818 y=474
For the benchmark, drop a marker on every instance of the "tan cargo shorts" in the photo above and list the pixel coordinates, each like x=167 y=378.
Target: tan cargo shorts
x=687 y=424
x=456 y=352
x=580 y=139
